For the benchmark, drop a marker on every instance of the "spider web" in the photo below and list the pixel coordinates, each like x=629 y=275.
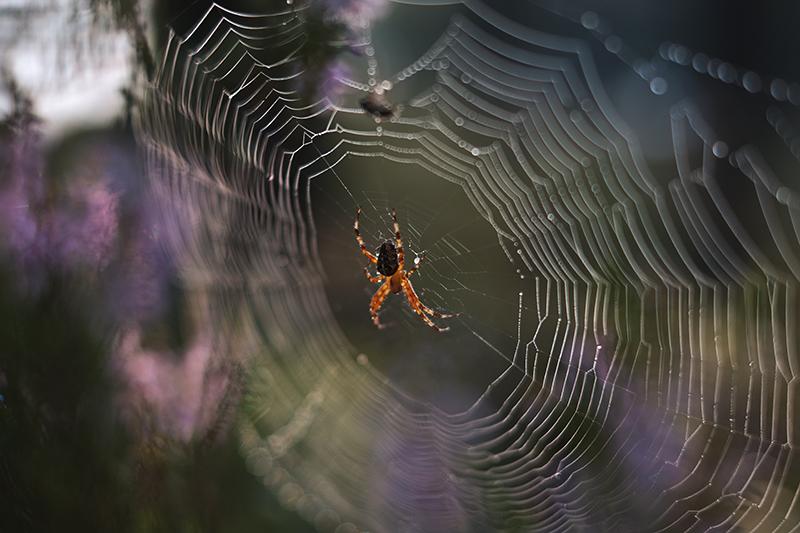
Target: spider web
x=625 y=358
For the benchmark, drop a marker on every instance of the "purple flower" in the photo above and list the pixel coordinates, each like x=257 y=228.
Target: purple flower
x=354 y=13
x=330 y=86
x=179 y=394
x=83 y=233
x=53 y=225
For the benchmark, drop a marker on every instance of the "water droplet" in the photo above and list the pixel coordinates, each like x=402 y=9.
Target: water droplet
x=590 y=20
x=751 y=82
x=700 y=63
x=644 y=69
x=727 y=73
x=794 y=94
x=778 y=89
x=613 y=44
x=681 y=55
x=262 y=466
x=658 y=85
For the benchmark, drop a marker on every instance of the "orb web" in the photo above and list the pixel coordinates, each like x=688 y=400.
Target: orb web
x=625 y=356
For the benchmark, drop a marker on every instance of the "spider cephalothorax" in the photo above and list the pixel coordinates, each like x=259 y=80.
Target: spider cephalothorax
x=389 y=264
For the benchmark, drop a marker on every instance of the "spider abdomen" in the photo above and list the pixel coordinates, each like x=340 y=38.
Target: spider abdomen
x=387 y=259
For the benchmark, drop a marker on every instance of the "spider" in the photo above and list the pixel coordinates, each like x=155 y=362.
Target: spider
x=390 y=267
x=377 y=108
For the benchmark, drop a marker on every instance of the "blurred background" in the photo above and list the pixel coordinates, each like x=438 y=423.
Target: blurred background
x=185 y=341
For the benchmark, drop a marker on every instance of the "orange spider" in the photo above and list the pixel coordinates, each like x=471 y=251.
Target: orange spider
x=390 y=267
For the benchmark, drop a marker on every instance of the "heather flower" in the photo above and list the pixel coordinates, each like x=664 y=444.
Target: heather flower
x=357 y=13
x=85 y=231
x=330 y=86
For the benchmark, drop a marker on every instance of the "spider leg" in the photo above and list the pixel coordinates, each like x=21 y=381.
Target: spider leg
x=376 y=302
x=416 y=266
x=415 y=303
x=434 y=313
x=375 y=279
x=361 y=241
x=399 y=242
x=419 y=307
